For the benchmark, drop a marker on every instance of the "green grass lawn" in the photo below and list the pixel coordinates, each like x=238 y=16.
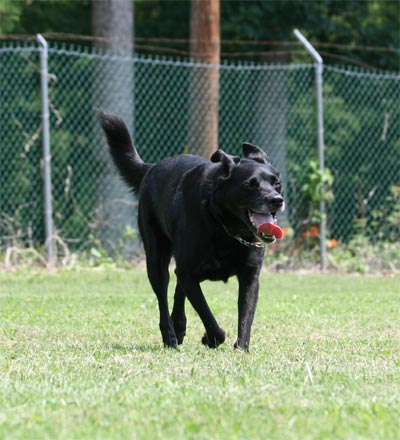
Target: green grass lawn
x=81 y=357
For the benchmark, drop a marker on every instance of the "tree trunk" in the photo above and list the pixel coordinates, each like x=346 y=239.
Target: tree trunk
x=204 y=83
x=112 y=23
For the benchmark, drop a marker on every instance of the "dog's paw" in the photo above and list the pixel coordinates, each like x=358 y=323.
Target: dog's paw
x=180 y=330
x=180 y=337
x=240 y=348
x=169 y=337
x=215 y=340
x=171 y=343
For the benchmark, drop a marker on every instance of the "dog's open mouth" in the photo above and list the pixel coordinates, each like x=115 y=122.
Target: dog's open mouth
x=266 y=225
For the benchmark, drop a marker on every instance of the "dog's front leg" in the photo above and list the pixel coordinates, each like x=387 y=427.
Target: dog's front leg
x=247 y=303
x=178 y=314
x=215 y=335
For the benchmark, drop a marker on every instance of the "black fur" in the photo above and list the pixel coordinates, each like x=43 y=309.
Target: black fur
x=198 y=212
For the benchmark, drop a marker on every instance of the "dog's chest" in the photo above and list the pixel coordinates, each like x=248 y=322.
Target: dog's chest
x=215 y=270
x=220 y=266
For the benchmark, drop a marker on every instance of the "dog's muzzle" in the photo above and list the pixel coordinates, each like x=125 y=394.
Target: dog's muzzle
x=266 y=225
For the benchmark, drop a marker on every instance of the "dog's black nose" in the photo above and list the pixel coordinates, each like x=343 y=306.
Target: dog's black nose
x=275 y=202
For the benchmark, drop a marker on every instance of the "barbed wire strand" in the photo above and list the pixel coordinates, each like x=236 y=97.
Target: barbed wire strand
x=78 y=37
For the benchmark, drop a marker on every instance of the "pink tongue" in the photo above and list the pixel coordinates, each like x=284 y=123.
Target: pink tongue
x=270 y=229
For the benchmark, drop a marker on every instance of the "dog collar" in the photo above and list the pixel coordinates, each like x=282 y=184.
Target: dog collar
x=256 y=244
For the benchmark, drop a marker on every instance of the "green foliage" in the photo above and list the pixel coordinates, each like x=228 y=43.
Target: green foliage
x=387 y=219
x=317 y=185
x=314 y=185
x=362 y=147
x=163 y=19
x=10 y=11
x=39 y=16
x=20 y=150
x=352 y=23
x=97 y=256
x=360 y=255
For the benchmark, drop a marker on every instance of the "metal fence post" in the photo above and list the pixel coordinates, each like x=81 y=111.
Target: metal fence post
x=320 y=136
x=48 y=210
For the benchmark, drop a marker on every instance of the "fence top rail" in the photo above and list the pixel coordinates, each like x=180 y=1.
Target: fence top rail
x=174 y=61
x=358 y=72
x=19 y=49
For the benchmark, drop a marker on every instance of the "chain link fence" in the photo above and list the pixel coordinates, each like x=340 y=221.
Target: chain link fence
x=270 y=105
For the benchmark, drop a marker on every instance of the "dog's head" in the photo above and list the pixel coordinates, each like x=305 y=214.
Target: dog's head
x=248 y=193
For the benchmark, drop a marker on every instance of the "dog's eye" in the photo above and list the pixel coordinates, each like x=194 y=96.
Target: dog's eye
x=253 y=183
x=275 y=181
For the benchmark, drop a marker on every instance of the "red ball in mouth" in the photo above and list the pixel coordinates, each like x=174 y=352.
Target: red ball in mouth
x=270 y=229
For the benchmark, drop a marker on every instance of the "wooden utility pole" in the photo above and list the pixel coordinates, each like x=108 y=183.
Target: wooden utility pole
x=204 y=88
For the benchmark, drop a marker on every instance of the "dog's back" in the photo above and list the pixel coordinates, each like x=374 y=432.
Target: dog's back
x=163 y=189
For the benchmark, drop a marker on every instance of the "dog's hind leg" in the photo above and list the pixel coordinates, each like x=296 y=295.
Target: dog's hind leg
x=158 y=256
x=178 y=314
x=215 y=335
x=157 y=270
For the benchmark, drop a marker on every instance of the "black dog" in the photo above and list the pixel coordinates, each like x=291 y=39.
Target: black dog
x=210 y=216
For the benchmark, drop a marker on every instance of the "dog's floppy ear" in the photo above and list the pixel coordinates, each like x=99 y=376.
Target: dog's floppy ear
x=253 y=152
x=227 y=161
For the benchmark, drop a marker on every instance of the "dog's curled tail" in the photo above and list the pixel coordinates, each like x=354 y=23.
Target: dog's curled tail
x=124 y=154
